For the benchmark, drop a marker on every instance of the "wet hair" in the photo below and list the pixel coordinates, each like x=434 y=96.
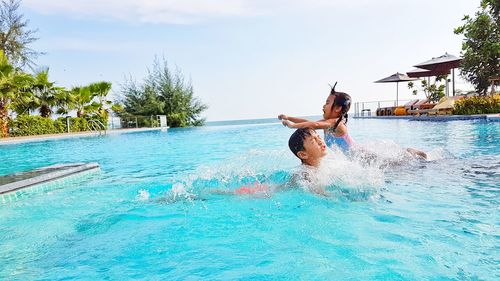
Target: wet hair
x=341 y=99
x=296 y=141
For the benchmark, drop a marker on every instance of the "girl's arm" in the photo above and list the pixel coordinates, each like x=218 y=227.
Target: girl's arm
x=290 y=118
x=321 y=124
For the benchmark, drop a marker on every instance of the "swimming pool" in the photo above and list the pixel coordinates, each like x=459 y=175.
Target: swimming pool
x=436 y=220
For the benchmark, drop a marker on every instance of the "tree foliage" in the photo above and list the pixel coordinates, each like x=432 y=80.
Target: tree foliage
x=164 y=92
x=45 y=94
x=15 y=37
x=481 y=45
x=91 y=100
x=13 y=89
x=432 y=91
x=22 y=93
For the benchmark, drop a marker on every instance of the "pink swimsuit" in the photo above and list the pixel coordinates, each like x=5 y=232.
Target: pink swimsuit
x=343 y=142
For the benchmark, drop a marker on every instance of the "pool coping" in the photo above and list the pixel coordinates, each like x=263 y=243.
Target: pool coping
x=438 y=118
x=37 y=138
x=75 y=168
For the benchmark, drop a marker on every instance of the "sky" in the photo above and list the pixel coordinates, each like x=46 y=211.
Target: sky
x=249 y=58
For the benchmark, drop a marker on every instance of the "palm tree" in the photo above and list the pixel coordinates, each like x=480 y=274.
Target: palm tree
x=65 y=102
x=99 y=91
x=45 y=93
x=81 y=98
x=13 y=88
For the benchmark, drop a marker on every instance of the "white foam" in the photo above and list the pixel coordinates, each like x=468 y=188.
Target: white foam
x=439 y=154
x=359 y=174
x=143 y=195
x=340 y=174
x=179 y=191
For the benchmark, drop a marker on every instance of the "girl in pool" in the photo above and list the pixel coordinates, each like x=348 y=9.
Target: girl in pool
x=334 y=122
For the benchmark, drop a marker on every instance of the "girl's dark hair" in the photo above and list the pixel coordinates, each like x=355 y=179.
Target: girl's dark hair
x=296 y=141
x=341 y=99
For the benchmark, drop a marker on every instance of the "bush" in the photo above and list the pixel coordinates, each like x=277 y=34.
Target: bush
x=78 y=124
x=60 y=126
x=477 y=105
x=27 y=125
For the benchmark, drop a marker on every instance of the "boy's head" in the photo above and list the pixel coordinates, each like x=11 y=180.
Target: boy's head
x=307 y=145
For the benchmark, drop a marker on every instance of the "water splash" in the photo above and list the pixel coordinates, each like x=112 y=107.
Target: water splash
x=179 y=191
x=356 y=176
x=439 y=154
x=142 y=195
x=340 y=176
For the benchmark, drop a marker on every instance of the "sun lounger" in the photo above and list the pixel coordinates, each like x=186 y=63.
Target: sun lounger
x=403 y=109
x=443 y=107
x=421 y=107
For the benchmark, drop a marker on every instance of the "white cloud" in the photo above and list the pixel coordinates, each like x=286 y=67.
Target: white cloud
x=178 y=11
x=152 y=11
x=56 y=44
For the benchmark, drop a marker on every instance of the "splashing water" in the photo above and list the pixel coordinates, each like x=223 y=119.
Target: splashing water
x=143 y=195
x=338 y=175
x=357 y=176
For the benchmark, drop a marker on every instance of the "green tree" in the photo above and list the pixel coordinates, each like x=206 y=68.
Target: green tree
x=481 y=45
x=13 y=86
x=91 y=100
x=82 y=101
x=432 y=91
x=142 y=101
x=46 y=94
x=65 y=101
x=99 y=92
x=15 y=37
x=164 y=92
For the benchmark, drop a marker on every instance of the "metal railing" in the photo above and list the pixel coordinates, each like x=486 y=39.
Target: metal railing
x=96 y=126
x=369 y=108
x=129 y=122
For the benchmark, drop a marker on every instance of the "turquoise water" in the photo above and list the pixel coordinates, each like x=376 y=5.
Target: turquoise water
x=433 y=220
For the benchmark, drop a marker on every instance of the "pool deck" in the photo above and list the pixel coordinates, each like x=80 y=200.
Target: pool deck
x=438 y=118
x=16 y=140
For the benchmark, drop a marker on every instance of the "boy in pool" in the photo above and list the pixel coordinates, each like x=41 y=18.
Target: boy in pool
x=309 y=147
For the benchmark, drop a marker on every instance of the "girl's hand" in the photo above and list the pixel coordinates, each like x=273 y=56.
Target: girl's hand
x=287 y=123
x=282 y=117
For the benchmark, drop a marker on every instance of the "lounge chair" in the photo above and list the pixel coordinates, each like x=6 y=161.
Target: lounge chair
x=403 y=110
x=445 y=106
x=421 y=107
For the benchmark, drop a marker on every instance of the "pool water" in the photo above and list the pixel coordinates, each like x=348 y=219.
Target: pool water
x=150 y=214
